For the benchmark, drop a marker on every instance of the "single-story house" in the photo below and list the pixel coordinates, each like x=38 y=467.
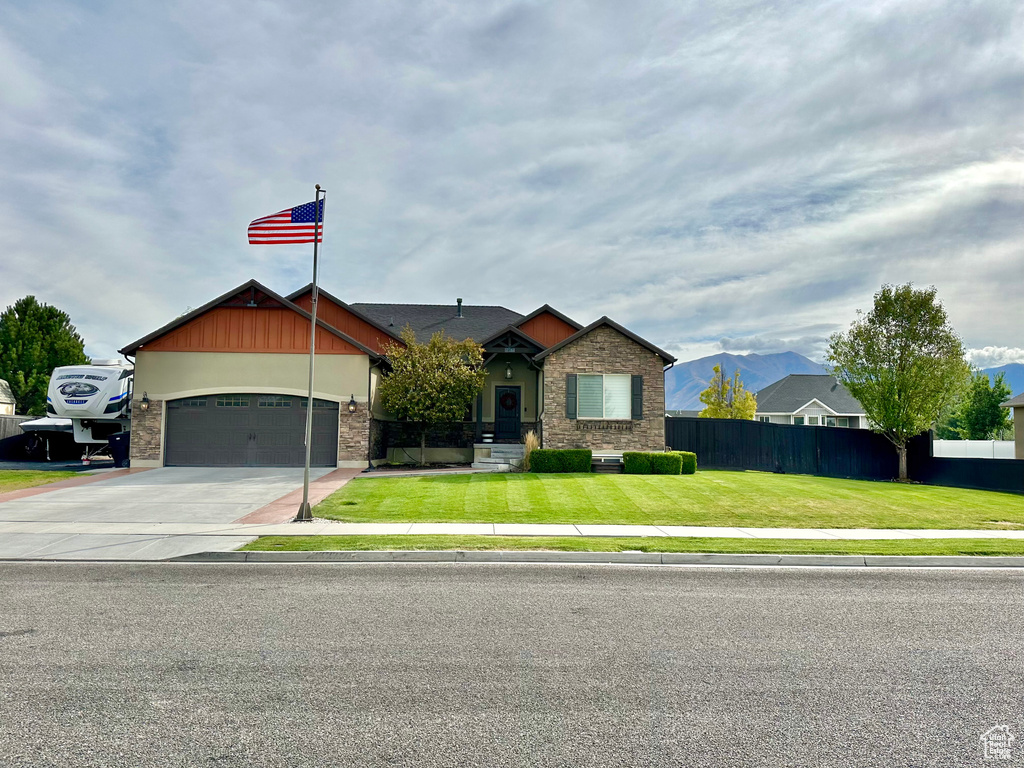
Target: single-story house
x=6 y=399
x=226 y=384
x=810 y=400
x=1017 y=404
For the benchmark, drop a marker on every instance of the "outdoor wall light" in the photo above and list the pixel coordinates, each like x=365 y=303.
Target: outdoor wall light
x=144 y=405
x=352 y=404
x=508 y=370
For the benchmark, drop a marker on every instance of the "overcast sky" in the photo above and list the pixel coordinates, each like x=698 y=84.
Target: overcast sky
x=729 y=176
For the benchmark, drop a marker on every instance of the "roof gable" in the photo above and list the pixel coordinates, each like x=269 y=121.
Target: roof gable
x=548 y=326
x=249 y=318
x=606 y=321
x=346 y=319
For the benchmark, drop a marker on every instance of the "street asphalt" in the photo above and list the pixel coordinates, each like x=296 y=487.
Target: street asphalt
x=430 y=665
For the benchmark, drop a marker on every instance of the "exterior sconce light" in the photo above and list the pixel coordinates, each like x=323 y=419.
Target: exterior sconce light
x=352 y=404
x=144 y=405
x=508 y=370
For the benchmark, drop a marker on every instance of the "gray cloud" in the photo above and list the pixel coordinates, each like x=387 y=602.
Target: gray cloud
x=711 y=178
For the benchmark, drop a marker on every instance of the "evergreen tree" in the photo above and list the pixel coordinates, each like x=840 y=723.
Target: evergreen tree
x=34 y=339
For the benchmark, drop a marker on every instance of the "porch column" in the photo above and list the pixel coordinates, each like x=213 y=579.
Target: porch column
x=479 y=416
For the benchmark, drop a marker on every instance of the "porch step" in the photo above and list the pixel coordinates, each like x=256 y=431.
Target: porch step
x=606 y=467
x=504 y=450
x=491 y=466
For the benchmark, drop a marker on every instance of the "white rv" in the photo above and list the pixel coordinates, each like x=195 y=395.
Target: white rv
x=96 y=398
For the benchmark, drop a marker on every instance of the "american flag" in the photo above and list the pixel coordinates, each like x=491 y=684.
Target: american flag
x=292 y=225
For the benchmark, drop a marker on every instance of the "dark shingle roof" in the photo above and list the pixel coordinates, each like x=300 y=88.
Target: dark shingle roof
x=796 y=390
x=1015 y=402
x=477 y=322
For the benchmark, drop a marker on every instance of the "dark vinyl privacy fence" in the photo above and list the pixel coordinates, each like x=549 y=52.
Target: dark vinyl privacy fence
x=831 y=452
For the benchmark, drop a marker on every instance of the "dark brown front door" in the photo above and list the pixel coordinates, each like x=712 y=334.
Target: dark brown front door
x=506 y=413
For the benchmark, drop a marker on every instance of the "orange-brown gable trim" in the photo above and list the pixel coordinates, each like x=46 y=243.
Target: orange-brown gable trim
x=250 y=318
x=338 y=314
x=547 y=328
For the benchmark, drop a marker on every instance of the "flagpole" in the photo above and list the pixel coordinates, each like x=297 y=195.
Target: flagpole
x=305 y=513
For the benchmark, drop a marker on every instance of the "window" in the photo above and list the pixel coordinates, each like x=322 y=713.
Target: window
x=604 y=396
x=195 y=402
x=764 y=419
x=798 y=420
x=812 y=421
x=317 y=403
x=275 y=401
x=232 y=401
x=842 y=421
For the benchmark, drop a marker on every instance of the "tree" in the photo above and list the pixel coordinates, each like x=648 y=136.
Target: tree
x=432 y=383
x=904 y=363
x=727 y=400
x=978 y=415
x=34 y=339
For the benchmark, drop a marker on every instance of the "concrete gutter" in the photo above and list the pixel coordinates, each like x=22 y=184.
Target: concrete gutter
x=619 y=558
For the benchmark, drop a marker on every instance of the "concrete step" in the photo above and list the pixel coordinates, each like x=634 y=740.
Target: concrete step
x=493 y=466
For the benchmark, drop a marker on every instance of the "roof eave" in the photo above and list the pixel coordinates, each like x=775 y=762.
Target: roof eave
x=613 y=325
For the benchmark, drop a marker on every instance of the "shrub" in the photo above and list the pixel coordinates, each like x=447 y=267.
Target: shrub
x=636 y=463
x=689 y=461
x=560 y=460
x=666 y=464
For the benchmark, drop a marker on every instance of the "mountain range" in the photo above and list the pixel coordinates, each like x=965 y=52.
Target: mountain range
x=685 y=381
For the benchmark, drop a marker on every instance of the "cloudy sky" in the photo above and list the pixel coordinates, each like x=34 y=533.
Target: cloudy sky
x=718 y=176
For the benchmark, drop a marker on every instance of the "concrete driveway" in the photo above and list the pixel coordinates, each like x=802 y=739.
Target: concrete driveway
x=141 y=516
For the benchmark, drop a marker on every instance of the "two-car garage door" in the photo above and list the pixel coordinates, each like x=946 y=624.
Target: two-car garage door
x=249 y=430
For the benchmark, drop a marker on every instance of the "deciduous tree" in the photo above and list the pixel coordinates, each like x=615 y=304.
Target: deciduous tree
x=904 y=363
x=725 y=399
x=34 y=339
x=432 y=383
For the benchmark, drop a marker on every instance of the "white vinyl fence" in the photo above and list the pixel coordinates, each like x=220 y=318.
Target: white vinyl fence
x=973 y=449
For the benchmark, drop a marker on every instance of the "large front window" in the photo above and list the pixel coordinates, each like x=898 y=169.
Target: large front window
x=604 y=396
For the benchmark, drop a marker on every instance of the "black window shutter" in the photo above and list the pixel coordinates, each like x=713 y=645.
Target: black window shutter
x=638 y=397
x=570 y=395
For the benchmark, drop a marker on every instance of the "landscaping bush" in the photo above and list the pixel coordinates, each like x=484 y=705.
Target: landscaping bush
x=636 y=463
x=666 y=464
x=560 y=460
x=689 y=462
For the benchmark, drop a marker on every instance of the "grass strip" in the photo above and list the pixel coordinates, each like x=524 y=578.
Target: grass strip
x=17 y=479
x=645 y=544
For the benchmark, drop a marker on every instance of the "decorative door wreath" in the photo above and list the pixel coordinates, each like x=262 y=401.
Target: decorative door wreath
x=508 y=401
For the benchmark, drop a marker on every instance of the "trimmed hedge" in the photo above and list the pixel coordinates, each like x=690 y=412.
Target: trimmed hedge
x=689 y=462
x=668 y=463
x=636 y=463
x=560 y=460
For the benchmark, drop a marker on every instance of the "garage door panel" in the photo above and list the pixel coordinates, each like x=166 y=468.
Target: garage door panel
x=248 y=430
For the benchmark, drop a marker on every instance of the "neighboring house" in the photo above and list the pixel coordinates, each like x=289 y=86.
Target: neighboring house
x=6 y=399
x=810 y=400
x=226 y=384
x=1017 y=404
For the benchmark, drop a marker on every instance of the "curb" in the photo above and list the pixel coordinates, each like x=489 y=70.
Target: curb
x=620 y=558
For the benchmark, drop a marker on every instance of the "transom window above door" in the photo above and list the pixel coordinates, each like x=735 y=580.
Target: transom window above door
x=604 y=396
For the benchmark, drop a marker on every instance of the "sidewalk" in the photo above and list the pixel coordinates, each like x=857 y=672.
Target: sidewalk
x=330 y=528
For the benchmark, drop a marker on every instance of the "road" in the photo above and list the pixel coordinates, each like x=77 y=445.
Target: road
x=431 y=665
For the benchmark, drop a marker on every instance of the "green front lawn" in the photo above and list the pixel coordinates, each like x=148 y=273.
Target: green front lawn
x=746 y=499
x=647 y=544
x=16 y=479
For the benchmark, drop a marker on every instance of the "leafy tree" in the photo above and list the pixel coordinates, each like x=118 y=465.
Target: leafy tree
x=904 y=363
x=724 y=399
x=978 y=415
x=34 y=339
x=432 y=383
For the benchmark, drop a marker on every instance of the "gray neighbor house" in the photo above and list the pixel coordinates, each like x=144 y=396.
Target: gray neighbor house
x=810 y=400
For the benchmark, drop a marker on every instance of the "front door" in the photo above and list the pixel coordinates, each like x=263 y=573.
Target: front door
x=506 y=413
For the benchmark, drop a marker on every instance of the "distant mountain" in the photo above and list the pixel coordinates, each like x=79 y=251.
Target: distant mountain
x=685 y=381
x=1014 y=376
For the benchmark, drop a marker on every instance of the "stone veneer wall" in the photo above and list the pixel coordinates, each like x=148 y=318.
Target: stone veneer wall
x=604 y=350
x=354 y=433
x=146 y=428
